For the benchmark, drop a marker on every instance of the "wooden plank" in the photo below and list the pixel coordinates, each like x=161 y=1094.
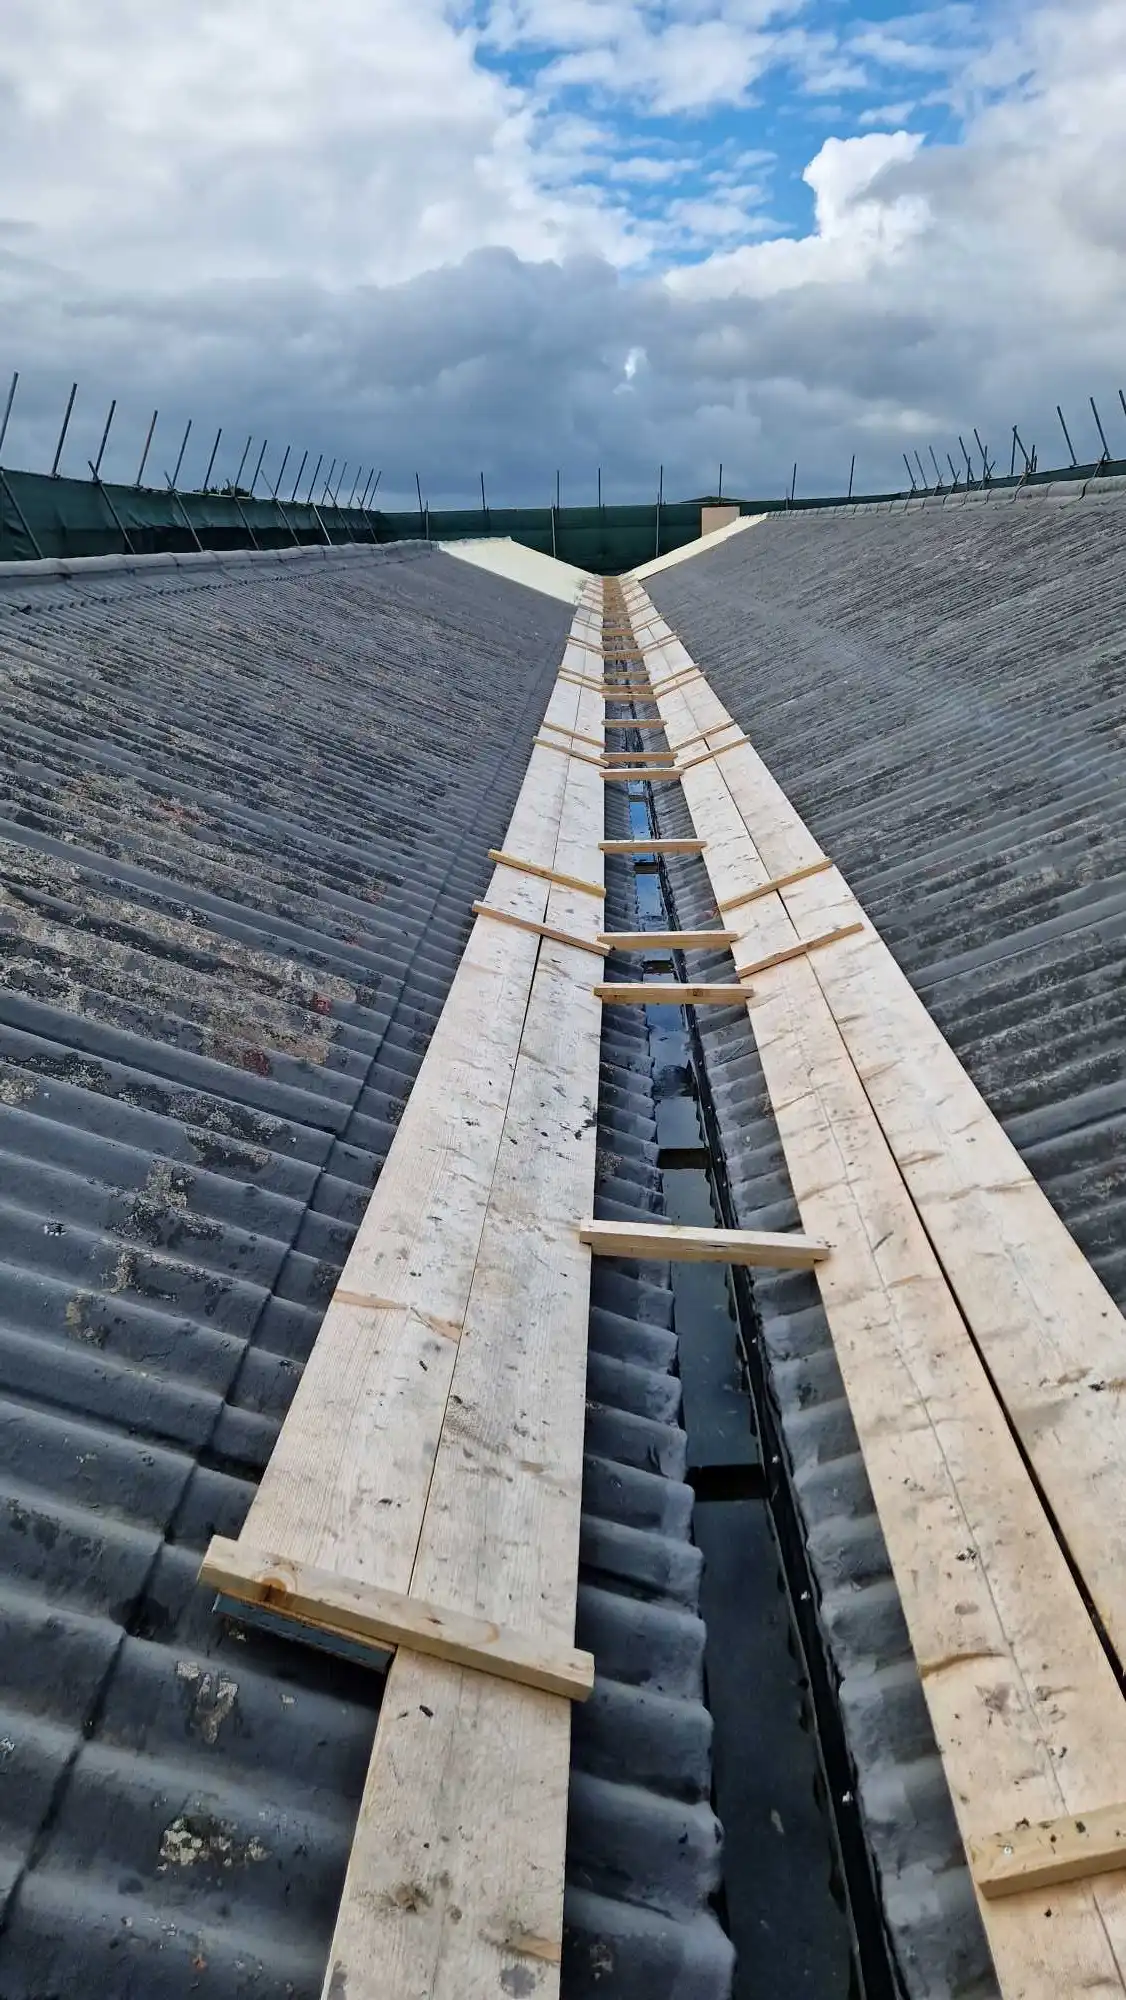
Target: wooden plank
x=673 y=993
x=454 y=1889
x=631 y=756
x=383 y=1618
x=1025 y=1705
x=541 y=930
x=780 y=1250
x=772 y=887
x=674 y=940
x=652 y=846
x=455 y=1886
x=523 y=867
x=797 y=950
x=642 y=723
x=1038 y=1856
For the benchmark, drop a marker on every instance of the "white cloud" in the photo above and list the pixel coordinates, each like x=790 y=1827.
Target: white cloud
x=206 y=140
x=855 y=227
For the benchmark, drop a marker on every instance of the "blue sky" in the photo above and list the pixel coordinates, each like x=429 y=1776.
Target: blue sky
x=724 y=139
x=511 y=236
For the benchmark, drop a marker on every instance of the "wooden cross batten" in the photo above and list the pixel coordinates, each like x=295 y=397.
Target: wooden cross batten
x=1037 y=1855
x=565 y=750
x=708 y=756
x=652 y=846
x=539 y=930
x=361 y=1614
x=783 y=1250
x=670 y=940
x=777 y=882
x=797 y=950
x=673 y=993
x=504 y=860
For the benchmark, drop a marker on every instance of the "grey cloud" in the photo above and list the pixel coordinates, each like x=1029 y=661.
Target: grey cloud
x=514 y=368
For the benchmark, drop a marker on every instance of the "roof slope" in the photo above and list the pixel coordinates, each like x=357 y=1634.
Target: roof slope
x=244 y=812
x=941 y=694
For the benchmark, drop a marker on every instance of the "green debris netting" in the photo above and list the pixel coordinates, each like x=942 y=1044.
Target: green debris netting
x=606 y=540
x=40 y=516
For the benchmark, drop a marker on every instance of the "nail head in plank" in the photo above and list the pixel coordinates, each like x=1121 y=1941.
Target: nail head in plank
x=504 y=860
x=381 y=1618
x=783 y=1250
x=673 y=993
x=797 y=950
x=540 y=930
x=1039 y=1854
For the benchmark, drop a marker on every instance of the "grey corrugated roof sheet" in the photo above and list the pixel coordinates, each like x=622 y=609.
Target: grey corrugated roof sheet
x=941 y=693
x=244 y=808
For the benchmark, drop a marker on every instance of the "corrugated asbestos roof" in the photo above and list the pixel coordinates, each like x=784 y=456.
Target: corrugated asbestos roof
x=245 y=807
x=940 y=691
